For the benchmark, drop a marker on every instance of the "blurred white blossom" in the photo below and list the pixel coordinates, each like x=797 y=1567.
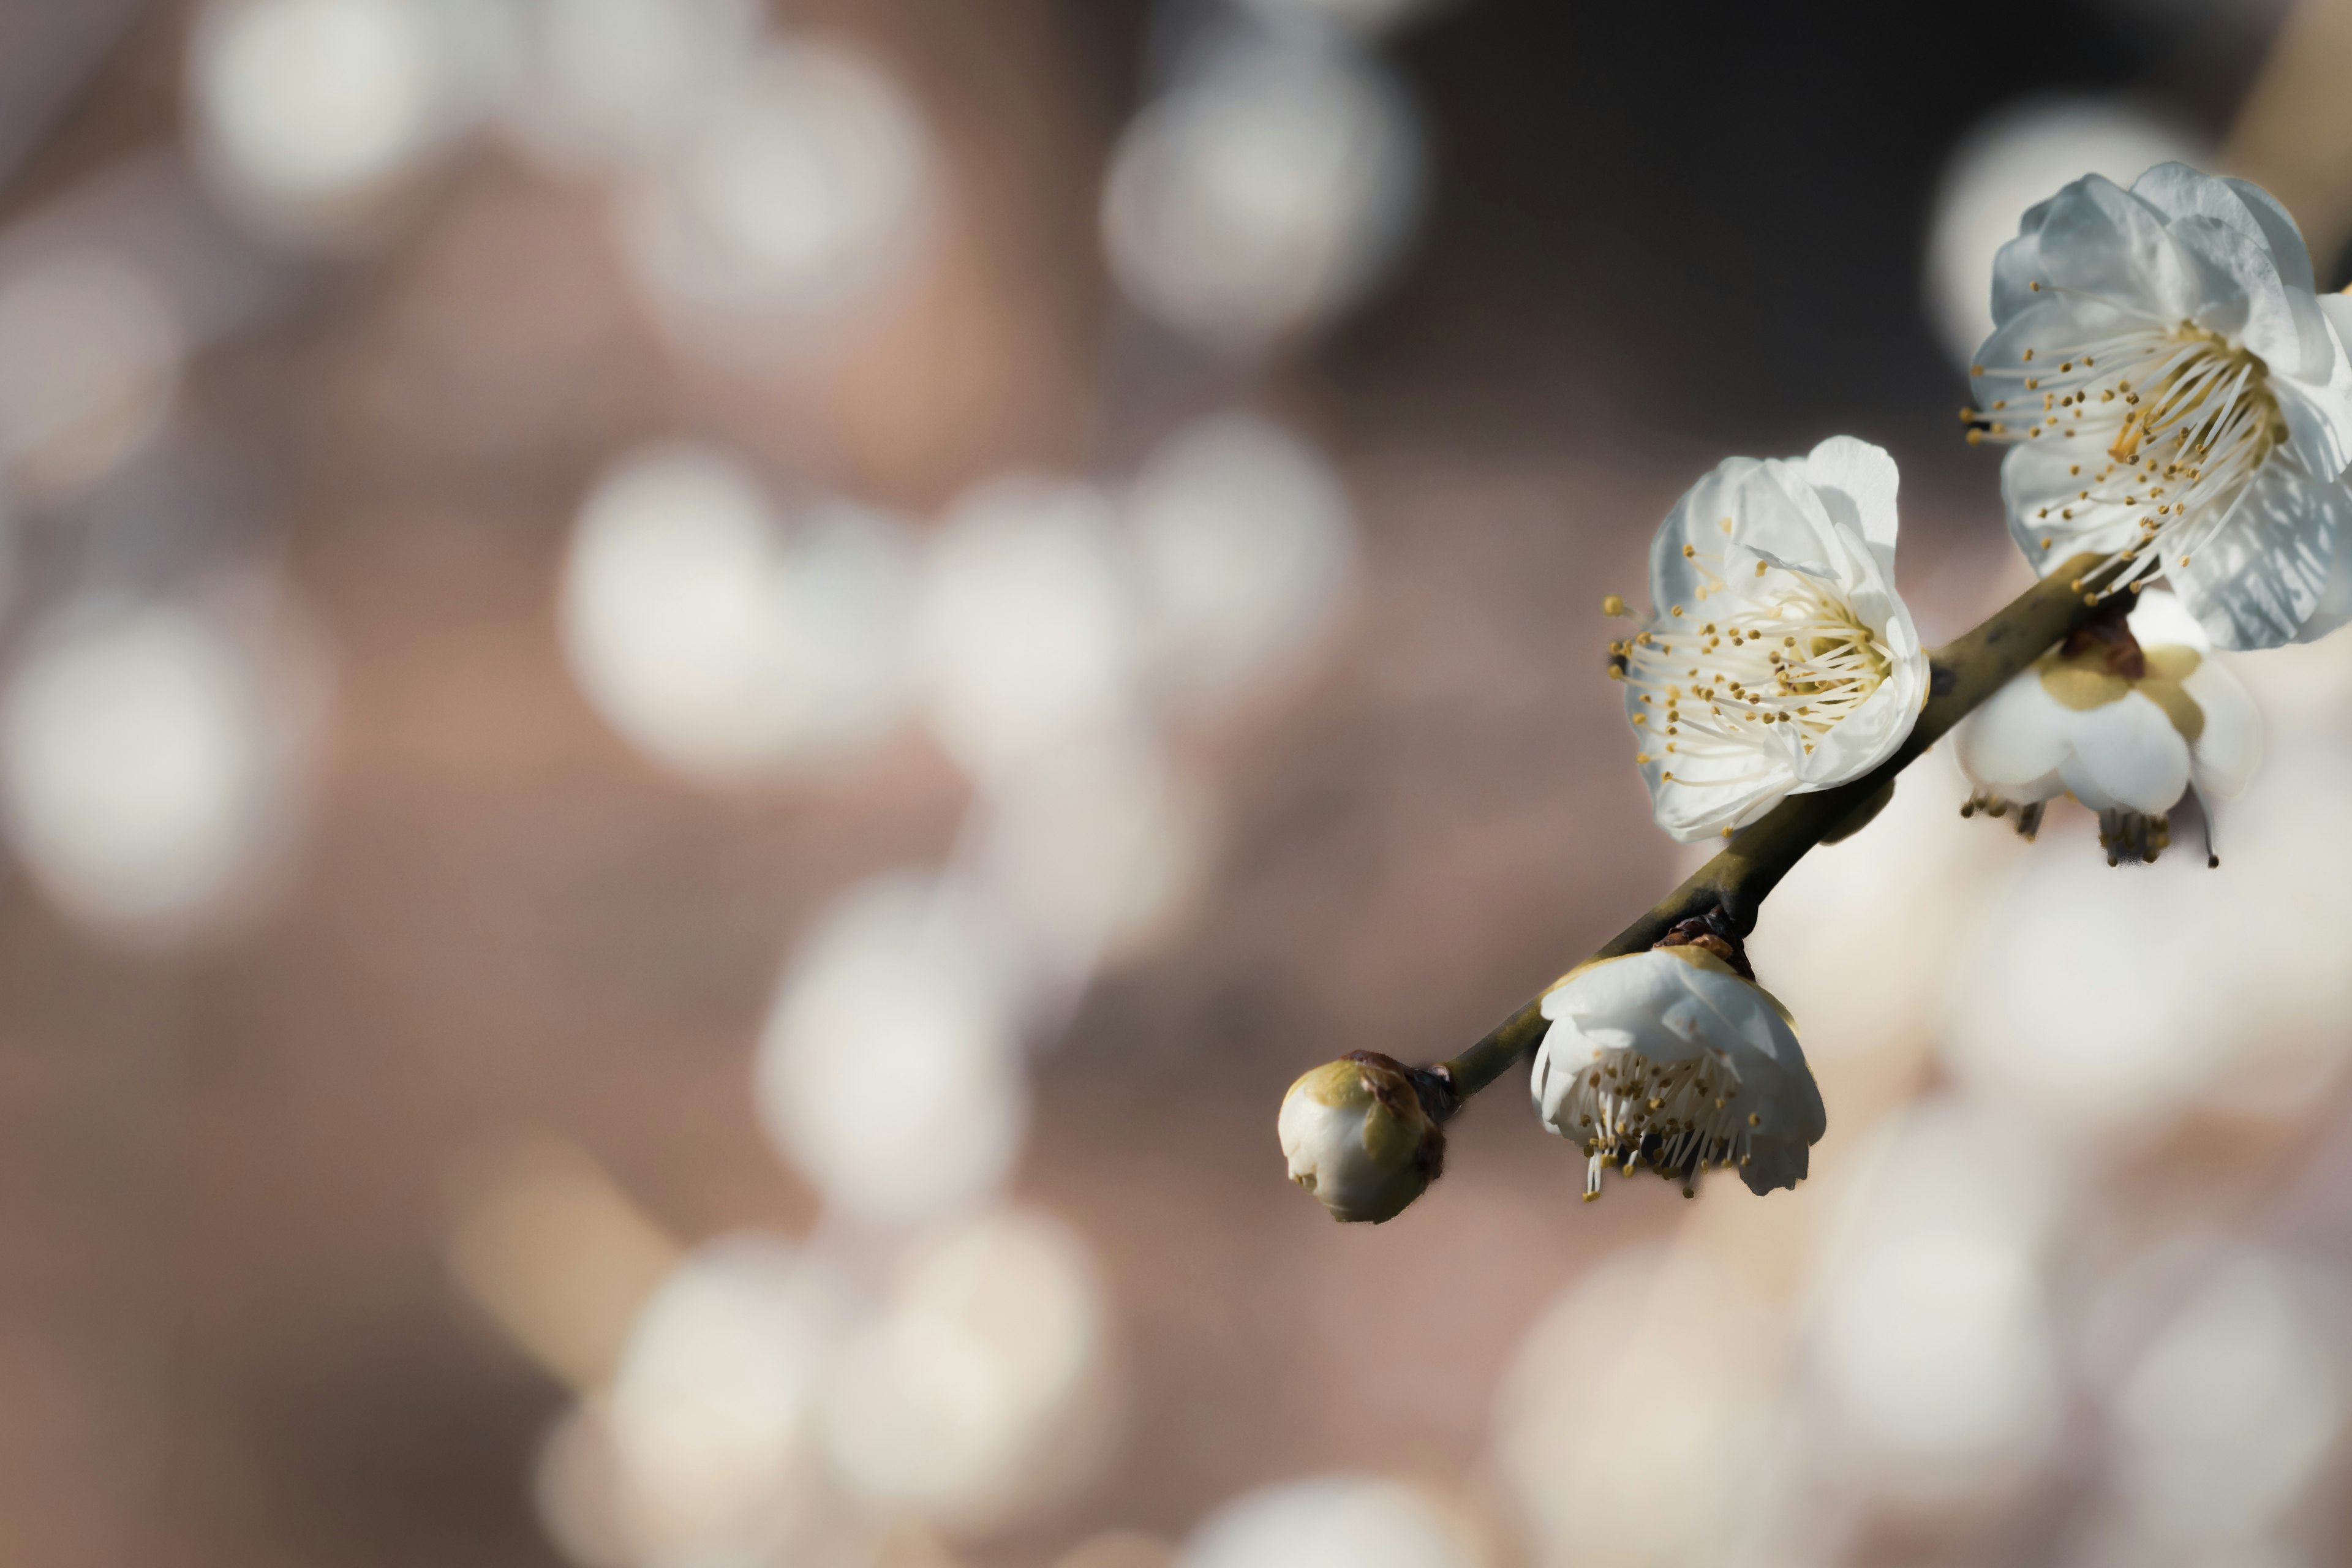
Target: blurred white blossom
x=1933 y=1334
x=1026 y=628
x=1266 y=191
x=1331 y=1521
x=794 y=196
x=606 y=83
x=890 y=1071
x=2233 y=1399
x=311 y=116
x=1243 y=541
x=1091 y=850
x=711 y=1412
x=1635 y=1425
x=981 y=1391
x=157 y=756
x=723 y=640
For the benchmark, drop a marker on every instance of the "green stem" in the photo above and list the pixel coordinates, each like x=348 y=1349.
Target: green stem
x=1961 y=674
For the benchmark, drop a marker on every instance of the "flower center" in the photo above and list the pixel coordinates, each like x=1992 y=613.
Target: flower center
x=2173 y=421
x=1677 y=1120
x=1778 y=647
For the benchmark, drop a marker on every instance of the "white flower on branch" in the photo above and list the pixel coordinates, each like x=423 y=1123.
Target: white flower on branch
x=1778 y=657
x=1674 y=1059
x=2176 y=397
x=1358 y=1137
x=2126 y=716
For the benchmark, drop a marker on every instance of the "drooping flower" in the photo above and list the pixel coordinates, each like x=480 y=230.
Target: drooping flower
x=2176 y=397
x=1777 y=657
x=1674 y=1059
x=2126 y=716
x=1357 y=1136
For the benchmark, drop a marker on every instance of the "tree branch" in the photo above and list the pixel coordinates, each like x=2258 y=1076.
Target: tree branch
x=1732 y=886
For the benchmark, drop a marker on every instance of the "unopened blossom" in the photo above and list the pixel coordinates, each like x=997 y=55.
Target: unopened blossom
x=1777 y=657
x=2126 y=716
x=2177 y=398
x=1357 y=1136
x=1674 y=1060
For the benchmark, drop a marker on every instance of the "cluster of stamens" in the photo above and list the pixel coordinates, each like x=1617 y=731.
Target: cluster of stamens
x=1777 y=646
x=2173 y=422
x=1677 y=1120
x=2029 y=815
x=2134 y=836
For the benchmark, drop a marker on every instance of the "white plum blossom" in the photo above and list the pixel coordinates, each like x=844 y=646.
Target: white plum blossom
x=1776 y=659
x=1357 y=1135
x=2177 y=399
x=1674 y=1059
x=2126 y=716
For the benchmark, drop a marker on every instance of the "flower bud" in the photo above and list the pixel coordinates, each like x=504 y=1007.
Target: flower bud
x=1358 y=1137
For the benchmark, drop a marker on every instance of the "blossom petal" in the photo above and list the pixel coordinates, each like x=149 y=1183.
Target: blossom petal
x=1709 y=793
x=2318 y=409
x=1862 y=739
x=1784 y=521
x=2193 y=200
x=2238 y=292
x=2127 y=754
x=1775 y=1163
x=2019 y=735
x=2262 y=574
x=1857 y=483
x=2160 y=620
x=2094 y=240
x=2039 y=487
x=2229 y=751
x=1696 y=521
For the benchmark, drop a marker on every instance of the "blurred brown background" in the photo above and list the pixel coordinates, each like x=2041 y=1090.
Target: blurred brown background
x=414 y=821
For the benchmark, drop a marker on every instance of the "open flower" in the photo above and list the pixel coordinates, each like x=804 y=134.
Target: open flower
x=1357 y=1136
x=2176 y=395
x=2127 y=715
x=1674 y=1059
x=1777 y=657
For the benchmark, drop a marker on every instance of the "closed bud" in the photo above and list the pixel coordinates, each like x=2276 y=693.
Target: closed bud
x=1358 y=1136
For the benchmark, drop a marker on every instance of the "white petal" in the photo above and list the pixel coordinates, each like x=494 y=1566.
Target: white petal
x=1701 y=800
x=2230 y=750
x=2035 y=480
x=2240 y=293
x=2128 y=754
x=1782 y=519
x=1619 y=1002
x=2263 y=572
x=2160 y=620
x=1696 y=521
x=1857 y=483
x=2093 y=237
x=2278 y=226
x=2318 y=409
x=2019 y=735
x=1861 y=740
